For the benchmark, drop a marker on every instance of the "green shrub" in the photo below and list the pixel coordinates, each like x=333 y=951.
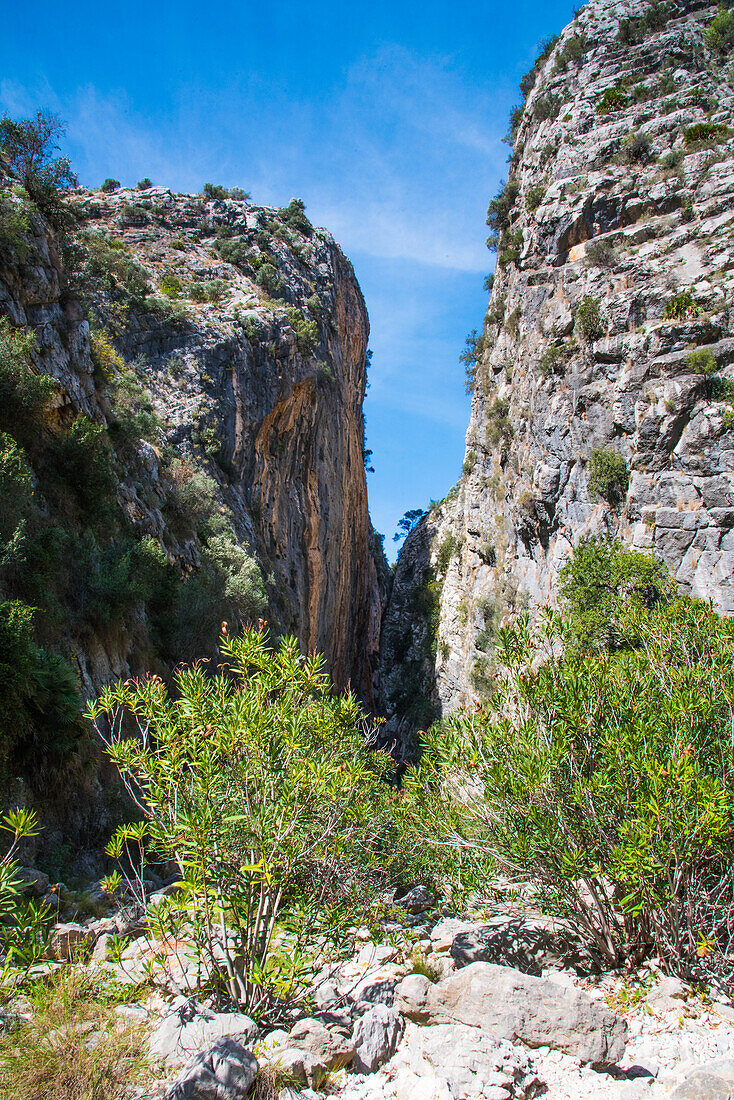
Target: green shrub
x=133 y=414
x=39 y=720
x=534 y=196
x=554 y=358
x=235 y=252
x=448 y=549
x=512 y=247
x=144 y=184
x=722 y=389
x=108 y=265
x=107 y=360
x=260 y=787
x=607 y=780
x=702 y=361
x=600 y=254
x=171 y=286
x=28 y=145
x=682 y=306
x=672 y=159
x=294 y=216
x=600 y=583
x=589 y=318
x=16 y=490
x=636 y=148
x=14 y=226
x=83 y=460
x=636 y=30
x=212 y=291
x=574 y=49
x=167 y=311
x=527 y=82
x=267 y=278
x=24 y=394
x=546 y=106
x=720 y=35
x=499 y=426
x=608 y=476
x=499 y=210
x=110 y=185
x=614 y=99
x=307 y=331
x=471 y=356
x=214 y=191
x=703 y=134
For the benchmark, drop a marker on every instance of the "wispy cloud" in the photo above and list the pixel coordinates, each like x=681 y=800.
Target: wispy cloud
x=397 y=160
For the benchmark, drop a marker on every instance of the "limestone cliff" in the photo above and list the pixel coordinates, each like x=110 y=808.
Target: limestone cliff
x=603 y=384
x=200 y=454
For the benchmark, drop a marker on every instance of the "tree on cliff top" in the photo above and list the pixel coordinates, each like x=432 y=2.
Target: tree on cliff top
x=29 y=146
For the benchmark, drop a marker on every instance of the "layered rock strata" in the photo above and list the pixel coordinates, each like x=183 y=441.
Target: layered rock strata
x=608 y=337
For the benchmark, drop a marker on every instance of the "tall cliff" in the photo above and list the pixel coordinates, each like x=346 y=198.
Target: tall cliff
x=603 y=384
x=181 y=443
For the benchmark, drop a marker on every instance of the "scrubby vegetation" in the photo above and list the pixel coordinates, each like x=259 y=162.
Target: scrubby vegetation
x=608 y=476
x=279 y=815
x=602 y=777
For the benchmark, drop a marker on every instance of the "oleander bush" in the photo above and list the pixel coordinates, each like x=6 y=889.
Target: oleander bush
x=603 y=779
x=258 y=782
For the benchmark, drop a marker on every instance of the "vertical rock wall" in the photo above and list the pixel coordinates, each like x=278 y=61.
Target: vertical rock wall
x=609 y=330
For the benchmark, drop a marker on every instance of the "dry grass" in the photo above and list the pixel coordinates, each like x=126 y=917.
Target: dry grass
x=73 y=1046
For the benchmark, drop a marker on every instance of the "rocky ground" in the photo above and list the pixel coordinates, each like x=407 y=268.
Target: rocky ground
x=495 y=1006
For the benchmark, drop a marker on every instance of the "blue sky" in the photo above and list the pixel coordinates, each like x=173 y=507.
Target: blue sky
x=386 y=118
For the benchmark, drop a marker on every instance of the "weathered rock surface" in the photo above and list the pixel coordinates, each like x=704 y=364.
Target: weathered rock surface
x=626 y=211
x=450 y=1060
x=224 y=1072
x=714 y=1081
x=528 y=945
x=309 y=1051
x=375 y=1037
x=509 y=1005
x=190 y=1029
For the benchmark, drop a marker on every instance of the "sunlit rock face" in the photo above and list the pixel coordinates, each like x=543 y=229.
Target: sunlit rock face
x=614 y=266
x=258 y=383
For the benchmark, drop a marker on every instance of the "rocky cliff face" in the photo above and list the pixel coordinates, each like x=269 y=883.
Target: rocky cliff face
x=201 y=454
x=603 y=382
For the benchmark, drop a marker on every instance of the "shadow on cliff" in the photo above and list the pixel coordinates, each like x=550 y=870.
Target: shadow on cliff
x=405 y=685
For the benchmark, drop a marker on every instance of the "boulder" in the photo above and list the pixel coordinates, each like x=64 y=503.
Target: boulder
x=71 y=940
x=376 y=1036
x=508 y=1004
x=445 y=932
x=309 y=1052
x=454 y=1060
x=190 y=1029
x=224 y=1072
x=667 y=995
x=416 y=900
x=34 y=883
x=712 y=1081
x=528 y=945
x=328 y=1045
